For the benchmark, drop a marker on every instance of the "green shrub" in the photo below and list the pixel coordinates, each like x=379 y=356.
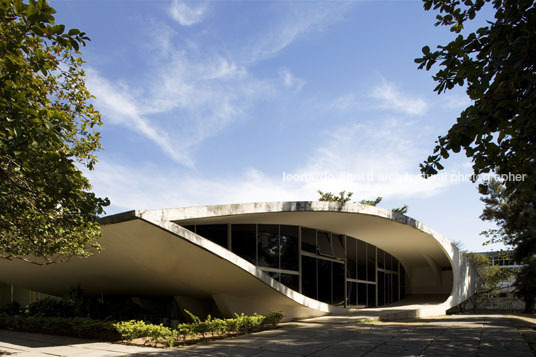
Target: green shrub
x=272 y=319
x=13 y=308
x=50 y=307
x=75 y=327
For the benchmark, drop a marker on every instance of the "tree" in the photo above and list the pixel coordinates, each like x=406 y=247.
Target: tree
x=343 y=197
x=371 y=202
x=490 y=278
x=525 y=284
x=497 y=64
x=401 y=210
x=47 y=128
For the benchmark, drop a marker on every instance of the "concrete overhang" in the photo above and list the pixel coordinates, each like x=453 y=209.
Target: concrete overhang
x=150 y=253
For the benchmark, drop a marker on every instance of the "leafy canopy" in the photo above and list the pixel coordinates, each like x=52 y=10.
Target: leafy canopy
x=47 y=126
x=497 y=64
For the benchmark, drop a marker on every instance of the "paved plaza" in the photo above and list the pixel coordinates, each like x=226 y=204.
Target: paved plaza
x=457 y=335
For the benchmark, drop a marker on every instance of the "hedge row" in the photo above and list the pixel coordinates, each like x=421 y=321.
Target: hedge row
x=213 y=327
x=75 y=327
x=130 y=330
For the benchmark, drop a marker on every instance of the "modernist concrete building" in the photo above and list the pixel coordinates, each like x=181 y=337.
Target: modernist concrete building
x=301 y=258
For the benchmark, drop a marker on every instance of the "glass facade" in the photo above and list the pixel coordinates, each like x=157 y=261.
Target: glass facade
x=333 y=268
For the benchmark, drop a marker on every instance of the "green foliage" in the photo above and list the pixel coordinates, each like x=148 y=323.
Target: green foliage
x=51 y=307
x=490 y=277
x=60 y=326
x=371 y=202
x=343 y=197
x=46 y=126
x=497 y=64
x=11 y=309
x=401 y=210
x=215 y=327
x=525 y=284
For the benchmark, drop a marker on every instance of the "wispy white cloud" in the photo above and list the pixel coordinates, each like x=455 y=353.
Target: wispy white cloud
x=120 y=108
x=191 y=90
x=187 y=15
x=290 y=81
x=455 y=100
x=298 y=19
x=344 y=102
x=370 y=159
x=390 y=98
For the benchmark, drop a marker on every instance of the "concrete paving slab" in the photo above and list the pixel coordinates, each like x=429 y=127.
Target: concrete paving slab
x=459 y=336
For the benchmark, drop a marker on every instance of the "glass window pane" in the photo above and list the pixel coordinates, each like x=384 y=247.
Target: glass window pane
x=338 y=283
x=190 y=228
x=216 y=233
x=402 y=282
x=338 y=245
x=291 y=280
x=388 y=261
x=361 y=260
x=351 y=259
x=268 y=245
x=289 y=247
x=309 y=276
x=395 y=287
x=362 y=294
x=381 y=258
x=351 y=294
x=371 y=295
x=324 y=244
x=243 y=241
x=308 y=240
x=324 y=280
x=395 y=264
x=371 y=262
x=381 y=288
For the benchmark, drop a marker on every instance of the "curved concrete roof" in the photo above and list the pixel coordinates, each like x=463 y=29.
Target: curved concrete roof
x=149 y=253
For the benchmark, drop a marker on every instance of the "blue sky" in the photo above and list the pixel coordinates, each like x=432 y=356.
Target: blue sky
x=212 y=102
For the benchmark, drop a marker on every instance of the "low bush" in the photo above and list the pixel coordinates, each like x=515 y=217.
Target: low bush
x=213 y=327
x=131 y=330
x=75 y=327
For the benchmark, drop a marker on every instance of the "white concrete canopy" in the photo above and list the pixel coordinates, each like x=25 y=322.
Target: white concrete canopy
x=150 y=253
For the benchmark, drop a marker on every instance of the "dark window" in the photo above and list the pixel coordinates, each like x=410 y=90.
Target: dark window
x=324 y=244
x=338 y=245
x=402 y=282
x=190 y=228
x=338 y=283
x=308 y=240
x=273 y=274
x=351 y=259
x=388 y=261
x=309 y=276
x=268 y=245
x=362 y=294
x=351 y=292
x=371 y=262
x=388 y=288
x=290 y=280
x=289 y=247
x=395 y=264
x=324 y=281
x=371 y=295
x=243 y=241
x=381 y=288
x=361 y=260
x=216 y=233
x=395 y=287
x=381 y=258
